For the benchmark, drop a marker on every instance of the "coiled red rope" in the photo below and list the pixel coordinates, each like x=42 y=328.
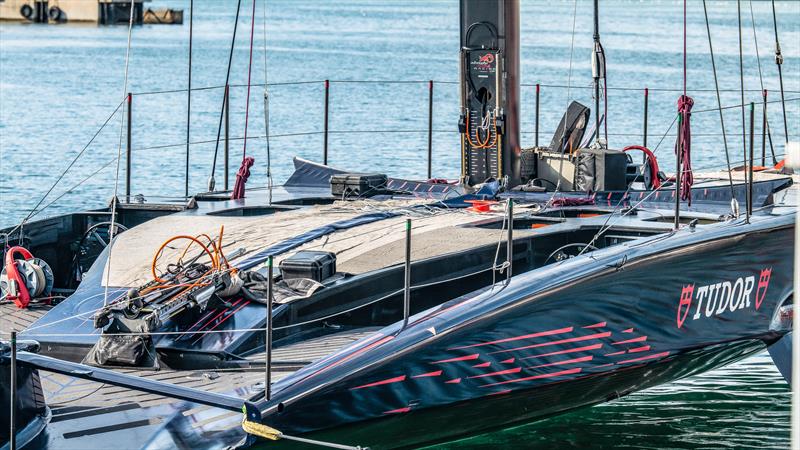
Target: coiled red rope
x=683 y=146
x=241 y=178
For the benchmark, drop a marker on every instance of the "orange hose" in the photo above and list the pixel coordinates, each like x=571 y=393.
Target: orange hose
x=214 y=262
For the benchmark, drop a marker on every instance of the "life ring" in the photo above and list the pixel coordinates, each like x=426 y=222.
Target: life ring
x=56 y=14
x=26 y=11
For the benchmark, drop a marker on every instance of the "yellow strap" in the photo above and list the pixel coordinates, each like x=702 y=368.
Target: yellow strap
x=259 y=429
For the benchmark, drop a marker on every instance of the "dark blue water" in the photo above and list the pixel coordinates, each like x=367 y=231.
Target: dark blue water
x=59 y=83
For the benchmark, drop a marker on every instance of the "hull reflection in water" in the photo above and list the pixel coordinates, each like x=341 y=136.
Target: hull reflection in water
x=744 y=405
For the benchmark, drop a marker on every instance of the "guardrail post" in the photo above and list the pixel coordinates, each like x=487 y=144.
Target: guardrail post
x=325 y=124
x=227 y=107
x=430 y=129
x=268 y=340
x=12 y=440
x=764 y=131
x=510 y=243
x=128 y=152
x=644 y=132
x=536 y=133
x=407 y=281
x=750 y=169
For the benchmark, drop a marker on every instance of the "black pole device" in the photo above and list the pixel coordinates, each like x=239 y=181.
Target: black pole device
x=227 y=148
x=597 y=69
x=510 y=239
x=12 y=439
x=750 y=165
x=268 y=337
x=407 y=276
x=189 y=99
x=129 y=150
x=430 y=129
x=489 y=120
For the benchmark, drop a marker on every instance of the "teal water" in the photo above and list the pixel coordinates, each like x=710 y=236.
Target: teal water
x=59 y=83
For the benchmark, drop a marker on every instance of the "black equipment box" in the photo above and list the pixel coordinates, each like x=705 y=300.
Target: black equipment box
x=601 y=170
x=314 y=265
x=358 y=184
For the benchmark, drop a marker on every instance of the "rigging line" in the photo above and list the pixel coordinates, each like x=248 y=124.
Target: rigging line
x=569 y=84
x=719 y=104
x=211 y=181
x=741 y=83
x=266 y=110
x=114 y=199
x=760 y=75
x=69 y=166
x=189 y=97
x=779 y=62
x=249 y=73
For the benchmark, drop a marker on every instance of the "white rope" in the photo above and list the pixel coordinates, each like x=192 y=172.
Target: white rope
x=266 y=110
x=119 y=155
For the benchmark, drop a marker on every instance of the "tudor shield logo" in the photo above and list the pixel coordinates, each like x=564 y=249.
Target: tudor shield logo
x=723 y=297
x=763 y=284
x=685 y=304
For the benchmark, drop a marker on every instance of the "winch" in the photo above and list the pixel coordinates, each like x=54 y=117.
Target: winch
x=25 y=278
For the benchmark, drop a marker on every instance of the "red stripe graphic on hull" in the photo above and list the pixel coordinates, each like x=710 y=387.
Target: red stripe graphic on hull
x=516 y=338
x=644 y=358
x=588 y=337
x=460 y=358
x=537 y=377
x=499 y=372
x=508 y=361
x=435 y=373
x=631 y=341
x=597 y=325
x=453 y=381
x=639 y=349
x=566 y=361
x=569 y=350
x=486 y=364
x=378 y=383
x=399 y=410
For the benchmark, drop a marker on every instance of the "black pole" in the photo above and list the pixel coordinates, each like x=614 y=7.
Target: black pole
x=325 y=124
x=227 y=149
x=764 y=130
x=596 y=70
x=510 y=241
x=189 y=98
x=268 y=340
x=407 y=280
x=536 y=132
x=750 y=169
x=430 y=129
x=12 y=439
x=644 y=132
x=779 y=62
x=678 y=175
x=128 y=152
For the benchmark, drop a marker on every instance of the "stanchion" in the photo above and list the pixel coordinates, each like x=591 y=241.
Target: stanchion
x=128 y=151
x=644 y=125
x=430 y=129
x=268 y=340
x=227 y=149
x=325 y=123
x=12 y=440
x=407 y=281
x=510 y=242
x=536 y=132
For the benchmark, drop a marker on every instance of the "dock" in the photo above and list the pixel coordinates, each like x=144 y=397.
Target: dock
x=101 y=12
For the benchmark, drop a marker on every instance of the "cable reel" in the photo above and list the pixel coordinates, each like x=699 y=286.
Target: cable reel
x=26 y=278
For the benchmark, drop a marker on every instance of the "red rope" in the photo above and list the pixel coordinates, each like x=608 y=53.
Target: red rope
x=241 y=178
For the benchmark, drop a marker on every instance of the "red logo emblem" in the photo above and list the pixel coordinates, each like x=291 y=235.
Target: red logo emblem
x=486 y=59
x=763 y=284
x=685 y=304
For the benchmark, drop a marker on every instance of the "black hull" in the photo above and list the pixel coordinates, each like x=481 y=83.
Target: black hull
x=566 y=336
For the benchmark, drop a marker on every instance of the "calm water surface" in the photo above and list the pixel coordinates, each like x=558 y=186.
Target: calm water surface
x=58 y=84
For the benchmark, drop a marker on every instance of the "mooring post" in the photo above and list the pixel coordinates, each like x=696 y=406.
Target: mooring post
x=750 y=169
x=268 y=340
x=644 y=126
x=536 y=118
x=430 y=129
x=227 y=107
x=407 y=281
x=764 y=131
x=12 y=440
x=510 y=242
x=128 y=151
x=325 y=124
